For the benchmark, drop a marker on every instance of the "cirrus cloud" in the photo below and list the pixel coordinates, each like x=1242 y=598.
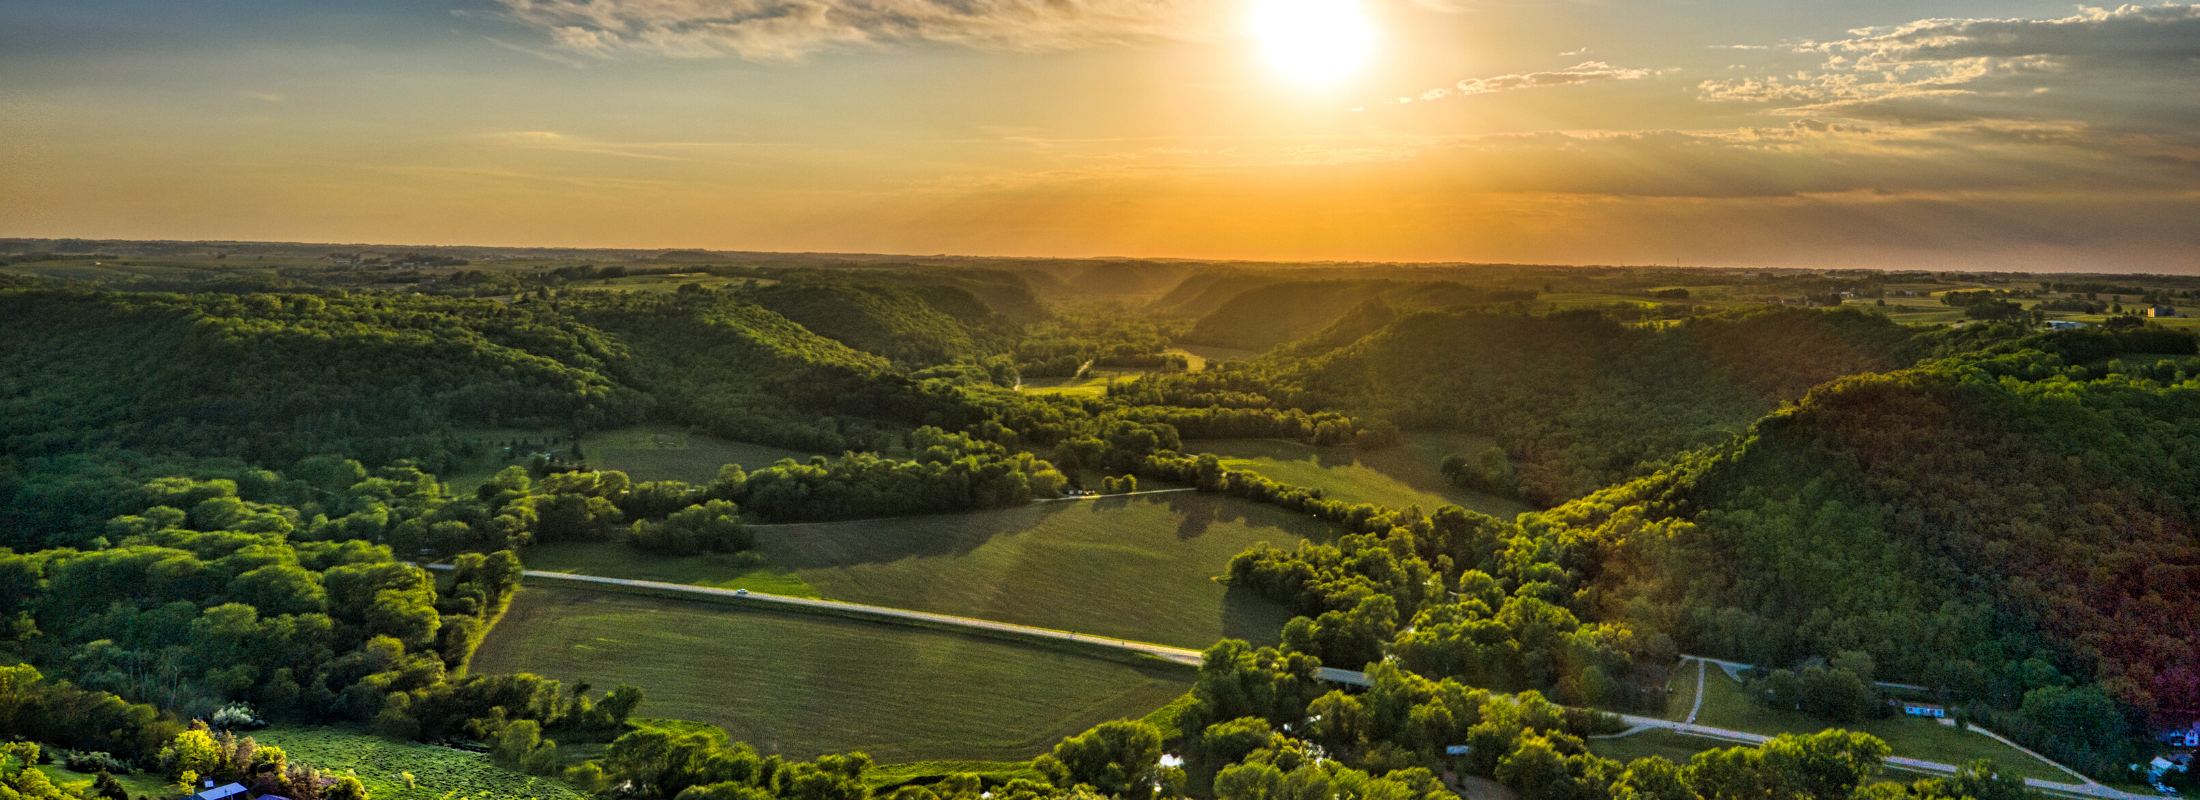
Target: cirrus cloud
x=2133 y=54
x=1584 y=72
x=782 y=30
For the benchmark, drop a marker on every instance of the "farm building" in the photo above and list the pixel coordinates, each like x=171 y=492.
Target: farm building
x=2162 y=311
x=1915 y=709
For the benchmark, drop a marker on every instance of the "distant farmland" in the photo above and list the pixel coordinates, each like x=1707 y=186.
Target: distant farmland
x=801 y=686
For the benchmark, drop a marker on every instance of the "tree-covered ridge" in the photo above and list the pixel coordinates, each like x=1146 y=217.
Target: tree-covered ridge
x=2011 y=527
x=911 y=325
x=275 y=378
x=1576 y=400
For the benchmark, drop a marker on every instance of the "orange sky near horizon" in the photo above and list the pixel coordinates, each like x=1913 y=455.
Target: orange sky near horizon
x=1956 y=134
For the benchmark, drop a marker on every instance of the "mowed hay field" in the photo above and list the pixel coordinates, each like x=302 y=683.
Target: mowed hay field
x=668 y=452
x=803 y=685
x=1394 y=477
x=1137 y=567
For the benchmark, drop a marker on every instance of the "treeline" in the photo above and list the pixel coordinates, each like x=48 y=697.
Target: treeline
x=2011 y=527
x=1104 y=335
x=1452 y=595
x=192 y=610
x=204 y=599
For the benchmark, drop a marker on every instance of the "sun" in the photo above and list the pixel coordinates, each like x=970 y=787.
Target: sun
x=1313 y=41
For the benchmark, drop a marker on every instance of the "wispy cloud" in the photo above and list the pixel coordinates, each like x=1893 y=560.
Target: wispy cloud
x=780 y=30
x=546 y=55
x=551 y=140
x=1584 y=72
x=2107 y=52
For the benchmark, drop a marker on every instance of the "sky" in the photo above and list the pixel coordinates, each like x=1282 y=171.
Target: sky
x=1935 y=134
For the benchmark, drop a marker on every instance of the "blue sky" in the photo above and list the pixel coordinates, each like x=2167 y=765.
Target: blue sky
x=1861 y=134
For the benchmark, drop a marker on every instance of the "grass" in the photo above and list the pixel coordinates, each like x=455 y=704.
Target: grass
x=614 y=560
x=666 y=452
x=890 y=775
x=1090 y=385
x=1394 y=477
x=139 y=784
x=801 y=685
x=1674 y=747
x=1727 y=705
x=1200 y=355
x=1683 y=685
x=1139 y=567
x=440 y=773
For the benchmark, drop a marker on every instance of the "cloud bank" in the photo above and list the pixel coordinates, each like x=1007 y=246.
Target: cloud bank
x=1584 y=72
x=781 y=30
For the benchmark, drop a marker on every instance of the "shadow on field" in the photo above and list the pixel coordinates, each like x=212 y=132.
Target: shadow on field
x=1198 y=512
x=841 y=544
x=1249 y=616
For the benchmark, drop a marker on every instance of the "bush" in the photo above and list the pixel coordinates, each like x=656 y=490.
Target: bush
x=95 y=761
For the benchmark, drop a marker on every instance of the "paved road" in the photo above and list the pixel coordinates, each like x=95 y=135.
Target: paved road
x=2088 y=789
x=1164 y=652
x=1735 y=668
x=1699 y=693
x=1106 y=496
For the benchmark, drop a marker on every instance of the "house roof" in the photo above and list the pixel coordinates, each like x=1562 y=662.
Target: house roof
x=220 y=792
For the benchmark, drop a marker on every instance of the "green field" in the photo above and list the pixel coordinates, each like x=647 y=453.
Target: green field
x=1682 y=683
x=147 y=784
x=721 y=570
x=802 y=685
x=667 y=452
x=1138 y=567
x=439 y=773
x=1674 y=747
x=1393 y=477
x=1727 y=705
x=1200 y=355
x=1094 y=383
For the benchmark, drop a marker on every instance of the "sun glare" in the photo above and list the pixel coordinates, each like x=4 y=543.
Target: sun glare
x=1315 y=41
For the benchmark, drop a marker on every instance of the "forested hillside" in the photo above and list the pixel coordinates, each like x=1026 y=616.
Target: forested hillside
x=271 y=378
x=2002 y=525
